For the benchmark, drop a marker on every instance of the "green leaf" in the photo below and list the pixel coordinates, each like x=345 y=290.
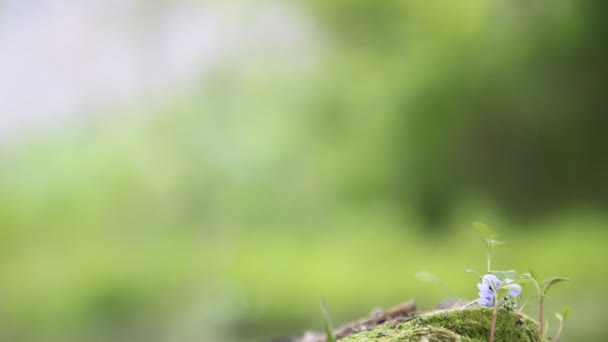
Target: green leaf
x=535 y=275
x=552 y=281
x=495 y=242
x=484 y=230
x=508 y=274
x=502 y=293
x=565 y=312
x=521 y=281
x=510 y=287
x=504 y=290
x=473 y=272
x=327 y=326
x=530 y=277
x=487 y=242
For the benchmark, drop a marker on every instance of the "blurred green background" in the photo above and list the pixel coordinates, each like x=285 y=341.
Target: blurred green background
x=200 y=171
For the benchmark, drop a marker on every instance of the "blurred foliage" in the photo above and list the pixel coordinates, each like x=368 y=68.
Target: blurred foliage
x=222 y=213
x=493 y=98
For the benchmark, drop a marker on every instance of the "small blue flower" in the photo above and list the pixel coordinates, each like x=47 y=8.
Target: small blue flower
x=486 y=301
x=488 y=284
x=514 y=292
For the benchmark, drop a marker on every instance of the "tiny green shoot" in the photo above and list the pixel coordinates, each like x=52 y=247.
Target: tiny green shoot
x=542 y=288
x=561 y=318
x=488 y=237
x=327 y=326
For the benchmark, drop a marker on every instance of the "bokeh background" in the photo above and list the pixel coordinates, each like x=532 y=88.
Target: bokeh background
x=204 y=170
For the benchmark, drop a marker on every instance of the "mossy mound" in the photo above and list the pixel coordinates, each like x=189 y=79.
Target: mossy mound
x=466 y=325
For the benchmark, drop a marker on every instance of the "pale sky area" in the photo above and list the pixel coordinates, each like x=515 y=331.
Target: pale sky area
x=66 y=59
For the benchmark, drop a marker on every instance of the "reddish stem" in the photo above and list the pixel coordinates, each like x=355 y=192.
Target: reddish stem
x=558 y=333
x=493 y=327
x=540 y=317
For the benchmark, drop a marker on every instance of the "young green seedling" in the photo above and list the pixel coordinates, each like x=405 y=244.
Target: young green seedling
x=327 y=326
x=542 y=289
x=561 y=318
x=488 y=237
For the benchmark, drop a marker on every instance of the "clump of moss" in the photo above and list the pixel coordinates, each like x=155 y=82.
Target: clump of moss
x=466 y=325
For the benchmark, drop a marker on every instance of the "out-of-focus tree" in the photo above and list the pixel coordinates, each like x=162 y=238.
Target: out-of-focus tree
x=500 y=99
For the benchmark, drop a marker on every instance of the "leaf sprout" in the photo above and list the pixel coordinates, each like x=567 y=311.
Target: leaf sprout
x=561 y=318
x=542 y=289
x=488 y=237
x=327 y=326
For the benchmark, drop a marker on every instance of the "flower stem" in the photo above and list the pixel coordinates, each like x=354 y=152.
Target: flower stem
x=494 y=315
x=493 y=327
x=540 y=317
x=489 y=258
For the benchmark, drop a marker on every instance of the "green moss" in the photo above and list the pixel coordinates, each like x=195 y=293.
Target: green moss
x=466 y=325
